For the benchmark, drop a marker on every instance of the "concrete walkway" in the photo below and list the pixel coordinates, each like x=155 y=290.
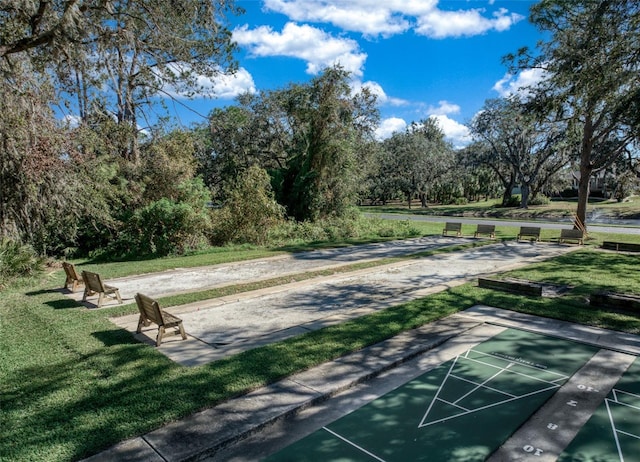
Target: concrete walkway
x=181 y=280
x=224 y=326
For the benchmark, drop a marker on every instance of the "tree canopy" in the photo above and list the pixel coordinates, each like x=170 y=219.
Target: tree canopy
x=592 y=78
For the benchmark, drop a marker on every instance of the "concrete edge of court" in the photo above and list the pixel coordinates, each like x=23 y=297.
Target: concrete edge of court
x=213 y=429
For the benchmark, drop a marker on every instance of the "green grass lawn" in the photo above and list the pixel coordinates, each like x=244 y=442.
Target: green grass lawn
x=557 y=208
x=72 y=383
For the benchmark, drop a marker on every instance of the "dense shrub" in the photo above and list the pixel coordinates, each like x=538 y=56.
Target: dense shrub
x=166 y=227
x=17 y=260
x=249 y=211
x=352 y=226
x=540 y=199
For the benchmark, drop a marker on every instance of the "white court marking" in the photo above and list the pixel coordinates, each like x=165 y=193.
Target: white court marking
x=550 y=385
x=617 y=395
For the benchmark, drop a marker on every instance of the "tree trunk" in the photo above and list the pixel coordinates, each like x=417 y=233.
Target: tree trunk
x=423 y=200
x=508 y=190
x=583 y=196
x=586 y=169
x=524 y=201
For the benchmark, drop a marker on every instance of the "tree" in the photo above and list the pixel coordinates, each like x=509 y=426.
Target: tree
x=416 y=159
x=135 y=50
x=143 y=50
x=533 y=150
x=476 y=177
x=167 y=161
x=250 y=210
x=328 y=125
x=42 y=25
x=46 y=187
x=592 y=68
x=310 y=137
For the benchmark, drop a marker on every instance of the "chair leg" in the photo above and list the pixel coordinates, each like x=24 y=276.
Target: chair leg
x=100 y=299
x=140 y=324
x=118 y=296
x=182 y=332
x=85 y=294
x=160 y=335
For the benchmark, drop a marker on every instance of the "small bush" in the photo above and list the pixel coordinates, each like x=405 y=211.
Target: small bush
x=514 y=201
x=17 y=260
x=540 y=199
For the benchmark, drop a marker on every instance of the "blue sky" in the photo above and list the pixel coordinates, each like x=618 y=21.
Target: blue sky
x=423 y=58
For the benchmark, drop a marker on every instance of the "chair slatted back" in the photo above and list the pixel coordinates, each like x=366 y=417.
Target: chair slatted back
x=150 y=309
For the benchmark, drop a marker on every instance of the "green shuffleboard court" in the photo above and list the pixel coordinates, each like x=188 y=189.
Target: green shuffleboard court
x=612 y=434
x=462 y=410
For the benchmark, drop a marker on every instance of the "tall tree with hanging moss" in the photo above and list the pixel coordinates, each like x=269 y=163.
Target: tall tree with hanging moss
x=522 y=147
x=123 y=54
x=330 y=125
x=591 y=64
x=313 y=138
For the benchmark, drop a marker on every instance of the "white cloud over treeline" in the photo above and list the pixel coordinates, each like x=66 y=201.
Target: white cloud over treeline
x=391 y=17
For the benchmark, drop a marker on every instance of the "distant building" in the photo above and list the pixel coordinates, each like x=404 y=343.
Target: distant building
x=598 y=184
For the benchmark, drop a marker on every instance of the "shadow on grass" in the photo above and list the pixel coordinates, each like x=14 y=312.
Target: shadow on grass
x=35 y=293
x=115 y=337
x=588 y=270
x=63 y=304
x=99 y=397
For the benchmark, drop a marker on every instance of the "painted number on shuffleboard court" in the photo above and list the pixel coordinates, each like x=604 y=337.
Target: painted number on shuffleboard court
x=587 y=388
x=530 y=449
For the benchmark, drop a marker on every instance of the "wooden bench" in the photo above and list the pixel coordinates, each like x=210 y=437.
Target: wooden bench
x=621 y=246
x=150 y=312
x=93 y=285
x=616 y=301
x=516 y=287
x=489 y=230
x=450 y=227
x=571 y=235
x=531 y=232
x=72 y=276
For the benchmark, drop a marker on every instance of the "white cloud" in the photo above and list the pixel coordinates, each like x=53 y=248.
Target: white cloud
x=318 y=48
x=391 y=17
x=443 y=108
x=370 y=17
x=510 y=84
x=455 y=132
x=376 y=89
x=228 y=86
x=222 y=86
x=390 y=126
x=464 y=23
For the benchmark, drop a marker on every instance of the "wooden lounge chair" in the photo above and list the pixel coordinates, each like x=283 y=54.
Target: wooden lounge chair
x=93 y=285
x=531 y=232
x=450 y=227
x=567 y=235
x=489 y=230
x=150 y=312
x=72 y=276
